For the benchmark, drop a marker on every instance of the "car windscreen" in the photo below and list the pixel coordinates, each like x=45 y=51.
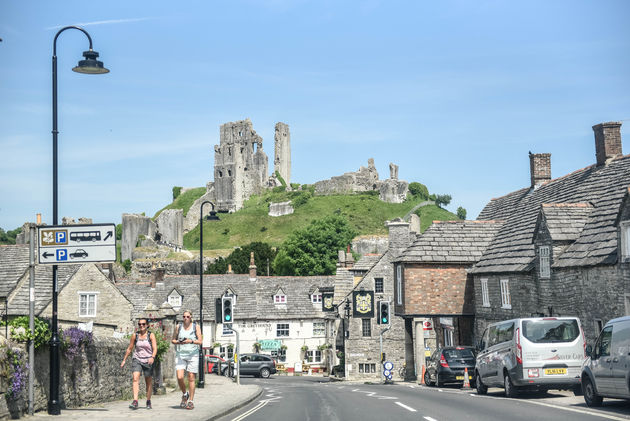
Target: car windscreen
x=451 y=354
x=550 y=331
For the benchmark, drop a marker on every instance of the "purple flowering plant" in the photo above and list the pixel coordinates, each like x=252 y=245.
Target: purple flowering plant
x=73 y=339
x=13 y=367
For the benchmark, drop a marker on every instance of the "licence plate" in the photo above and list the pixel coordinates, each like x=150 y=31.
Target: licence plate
x=553 y=371
x=459 y=377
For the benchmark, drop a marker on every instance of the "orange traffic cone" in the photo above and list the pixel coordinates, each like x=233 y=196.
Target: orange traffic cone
x=423 y=371
x=466 y=379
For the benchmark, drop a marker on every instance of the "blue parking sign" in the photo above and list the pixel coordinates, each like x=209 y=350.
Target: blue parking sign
x=60 y=237
x=62 y=255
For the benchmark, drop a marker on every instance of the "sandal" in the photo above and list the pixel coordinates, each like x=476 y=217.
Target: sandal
x=190 y=405
x=184 y=400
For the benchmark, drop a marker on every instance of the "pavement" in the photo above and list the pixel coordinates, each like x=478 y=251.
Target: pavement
x=219 y=397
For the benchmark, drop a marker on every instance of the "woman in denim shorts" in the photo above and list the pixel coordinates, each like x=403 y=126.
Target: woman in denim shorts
x=144 y=348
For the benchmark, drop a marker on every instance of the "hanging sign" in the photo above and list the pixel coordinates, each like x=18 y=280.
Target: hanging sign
x=327 y=301
x=363 y=304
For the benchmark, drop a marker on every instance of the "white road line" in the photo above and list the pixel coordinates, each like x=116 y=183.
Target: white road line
x=408 y=408
x=251 y=411
x=581 y=411
x=430 y=419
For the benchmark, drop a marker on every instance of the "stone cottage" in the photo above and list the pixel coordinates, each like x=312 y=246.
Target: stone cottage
x=563 y=249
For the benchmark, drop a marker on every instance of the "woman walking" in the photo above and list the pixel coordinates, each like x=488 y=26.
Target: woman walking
x=188 y=340
x=144 y=348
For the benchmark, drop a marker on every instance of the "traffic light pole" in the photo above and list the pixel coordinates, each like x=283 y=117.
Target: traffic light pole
x=383 y=362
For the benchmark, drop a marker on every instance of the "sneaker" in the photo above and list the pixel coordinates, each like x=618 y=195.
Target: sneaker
x=190 y=405
x=133 y=404
x=184 y=400
x=148 y=403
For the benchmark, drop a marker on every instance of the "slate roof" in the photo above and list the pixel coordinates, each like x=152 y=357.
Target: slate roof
x=565 y=221
x=451 y=242
x=366 y=262
x=14 y=268
x=254 y=298
x=602 y=186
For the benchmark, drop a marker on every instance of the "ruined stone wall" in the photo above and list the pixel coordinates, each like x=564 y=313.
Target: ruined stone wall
x=170 y=225
x=282 y=152
x=370 y=244
x=134 y=225
x=280 y=209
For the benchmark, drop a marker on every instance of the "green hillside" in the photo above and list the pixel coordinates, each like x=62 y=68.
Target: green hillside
x=364 y=211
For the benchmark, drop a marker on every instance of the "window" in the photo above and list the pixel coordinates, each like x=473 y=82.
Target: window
x=602 y=346
x=448 y=335
x=87 y=304
x=314 y=356
x=316 y=298
x=279 y=355
x=378 y=285
x=625 y=240
x=485 y=298
x=175 y=300
x=505 y=294
x=319 y=328
x=545 y=269
x=367 y=368
x=366 y=327
x=282 y=329
x=280 y=299
x=598 y=325
x=399 y=284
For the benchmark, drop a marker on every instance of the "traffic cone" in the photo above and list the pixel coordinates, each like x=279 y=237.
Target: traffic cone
x=466 y=379
x=424 y=369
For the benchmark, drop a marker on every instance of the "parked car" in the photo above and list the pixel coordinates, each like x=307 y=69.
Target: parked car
x=449 y=364
x=605 y=373
x=534 y=353
x=258 y=365
x=211 y=361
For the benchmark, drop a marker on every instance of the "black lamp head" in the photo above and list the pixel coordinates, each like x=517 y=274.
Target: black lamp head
x=90 y=65
x=213 y=216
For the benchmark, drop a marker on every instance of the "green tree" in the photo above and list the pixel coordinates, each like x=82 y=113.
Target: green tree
x=443 y=200
x=239 y=259
x=119 y=232
x=313 y=250
x=8 y=237
x=461 y=213
x=419 y=190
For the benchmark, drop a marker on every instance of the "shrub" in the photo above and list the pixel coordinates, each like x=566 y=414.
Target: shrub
x=160 y=340
x=443 y=199
x=461 y=213
x=72 y=340
x=419 y=190
x=13 y=369
x=301 y=199
x=176 y=192
x=20 y=331
x=127 y=265
x=279 y=189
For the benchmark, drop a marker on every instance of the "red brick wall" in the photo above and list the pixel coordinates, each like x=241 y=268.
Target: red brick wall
x=438 y=289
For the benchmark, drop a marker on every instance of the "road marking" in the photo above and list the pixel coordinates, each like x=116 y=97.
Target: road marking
x=373 y=394
x=581 y=411
x=408 y=408
x=430 y=419
x=251 y=411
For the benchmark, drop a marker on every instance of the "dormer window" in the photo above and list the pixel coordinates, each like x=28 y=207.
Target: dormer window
x=175 y=299
x=280 y=298
x=544 y=262
x=316 y=297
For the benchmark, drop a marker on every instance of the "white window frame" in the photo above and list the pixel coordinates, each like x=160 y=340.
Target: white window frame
x=280 y=299
x=313 y=356
x=625 y=240
x=280 y=355
x=280 y=328
x=175 y=300
x=316 y=298
x=485 y=296
x=447 y=331
x=505 y=294
x=544 y=261
x=87 y=312
x=399 y=284
x=319 y=328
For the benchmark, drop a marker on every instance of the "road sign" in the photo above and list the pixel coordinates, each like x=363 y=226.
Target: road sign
x=387 y=373
x=389 y=365
x=72 y=244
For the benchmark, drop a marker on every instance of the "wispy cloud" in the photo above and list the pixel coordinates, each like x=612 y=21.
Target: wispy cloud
x=105 y=22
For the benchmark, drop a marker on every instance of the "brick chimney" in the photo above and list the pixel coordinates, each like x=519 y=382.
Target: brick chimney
x=539 y=168
x=607 y=141
x=230 y=271
x=157 y=275
x=252 y=267
x=349 y=258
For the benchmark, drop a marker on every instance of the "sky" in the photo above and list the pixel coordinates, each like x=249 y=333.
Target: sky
x=456 y=93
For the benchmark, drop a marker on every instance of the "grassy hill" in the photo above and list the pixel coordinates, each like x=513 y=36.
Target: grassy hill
x=364 y=211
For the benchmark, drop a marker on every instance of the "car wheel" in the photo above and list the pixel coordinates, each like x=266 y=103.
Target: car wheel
x=590 y=395
x=264 y=373
x=510 y=390
x=438 y=382
x=427 y=379
x=226 y=372
x=577 y=390
x=482 y=389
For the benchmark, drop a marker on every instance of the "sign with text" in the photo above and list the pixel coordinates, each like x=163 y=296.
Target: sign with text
x=363 y=304
x=76 y=244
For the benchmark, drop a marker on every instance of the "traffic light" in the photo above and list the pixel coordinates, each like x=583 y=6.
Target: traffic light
x=227 y=310
x=383 y=312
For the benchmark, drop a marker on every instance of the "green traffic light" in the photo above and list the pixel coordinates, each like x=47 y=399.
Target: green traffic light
x=227 y=317
x=384 y=319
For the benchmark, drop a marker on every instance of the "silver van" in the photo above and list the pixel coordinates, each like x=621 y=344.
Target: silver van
x=534 y=353
x=606 y=372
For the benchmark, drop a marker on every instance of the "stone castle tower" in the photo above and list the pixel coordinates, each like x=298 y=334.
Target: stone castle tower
x=282 y=160
x=240 y=165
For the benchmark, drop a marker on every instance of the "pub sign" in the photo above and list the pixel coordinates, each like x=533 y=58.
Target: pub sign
x=363 y=304
x=327 y=301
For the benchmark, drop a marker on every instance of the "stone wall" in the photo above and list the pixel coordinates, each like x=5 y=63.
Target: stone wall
x=365 y=179
x=142 y=269
x=134 y=225
x=280 y=209
x=170 y=226
x=192 y=217
x=370 y=244
x=282 y=152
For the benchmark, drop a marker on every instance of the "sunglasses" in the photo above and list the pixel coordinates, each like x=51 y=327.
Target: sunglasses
x=142 y=324
x=187 y=317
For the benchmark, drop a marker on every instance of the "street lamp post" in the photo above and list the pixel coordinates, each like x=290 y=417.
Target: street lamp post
x=88 y=66
x=212 y=217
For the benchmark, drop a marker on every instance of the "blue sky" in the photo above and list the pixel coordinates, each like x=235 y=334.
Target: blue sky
x=454 y=92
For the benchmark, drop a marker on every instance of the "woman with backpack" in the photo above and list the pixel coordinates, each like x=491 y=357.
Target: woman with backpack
x=188 y=340
x=144 y=348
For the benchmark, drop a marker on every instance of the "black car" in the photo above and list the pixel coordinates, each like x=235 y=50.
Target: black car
x=448 y=365
x=258 y=365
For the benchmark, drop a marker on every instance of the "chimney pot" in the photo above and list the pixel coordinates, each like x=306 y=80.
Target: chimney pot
x=252 y=267
x=540 y=168
x=607 y=141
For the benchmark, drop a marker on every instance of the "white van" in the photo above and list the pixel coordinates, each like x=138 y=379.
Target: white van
x=539 y=353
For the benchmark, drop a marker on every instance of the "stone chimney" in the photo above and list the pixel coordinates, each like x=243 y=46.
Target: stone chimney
x=230 y=271
x=607 y=141
x=252 y=267
x=157 y=275
x=540 y=168
x=399 y=238
x=414 y=223
x=341 y=259
x=349 y=258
